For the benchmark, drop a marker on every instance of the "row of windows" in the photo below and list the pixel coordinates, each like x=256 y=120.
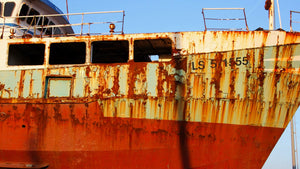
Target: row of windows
x=40 y=21
x=8 y=8
x=101 y=52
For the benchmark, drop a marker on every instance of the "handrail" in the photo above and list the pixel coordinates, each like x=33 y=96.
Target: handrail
x=291 y=19
x=36 y=19
x=224 y=19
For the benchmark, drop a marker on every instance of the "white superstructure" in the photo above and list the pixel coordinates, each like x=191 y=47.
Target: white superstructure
x=31 y=17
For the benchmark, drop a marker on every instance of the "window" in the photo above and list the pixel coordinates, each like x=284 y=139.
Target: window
x=24 y=11
x=8 y=9
x=30 y=20
x=110 y=51
x=42 y=22
x=26 y=54
x=0 y=9
x=67 y=53
x=152 y=49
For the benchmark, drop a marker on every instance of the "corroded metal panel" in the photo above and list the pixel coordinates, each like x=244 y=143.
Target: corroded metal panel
x=228 y=97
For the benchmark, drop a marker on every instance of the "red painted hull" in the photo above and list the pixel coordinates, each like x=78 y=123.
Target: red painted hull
x=78 y=137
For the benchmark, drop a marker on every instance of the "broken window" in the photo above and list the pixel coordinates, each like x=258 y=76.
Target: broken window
x=67 y=53
x=110 y=51
x=23 y=12
x=152 y=50
x=26 y=54
x=8 y=9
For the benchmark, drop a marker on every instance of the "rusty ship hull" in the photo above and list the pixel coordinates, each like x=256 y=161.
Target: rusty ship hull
x=215 y=100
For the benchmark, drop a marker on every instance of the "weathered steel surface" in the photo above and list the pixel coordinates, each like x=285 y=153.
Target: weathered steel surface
x=77 y=136
x=221 y=102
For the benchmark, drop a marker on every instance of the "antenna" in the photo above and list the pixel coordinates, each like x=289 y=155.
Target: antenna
x=67 y=6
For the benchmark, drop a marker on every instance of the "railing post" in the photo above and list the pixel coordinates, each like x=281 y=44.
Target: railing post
x=34 y=27
x=204 y=19
x=291 y=21
x=123 y=22
x=3 y=27
x=81 y=24
x=42 y=29
x=246 y=20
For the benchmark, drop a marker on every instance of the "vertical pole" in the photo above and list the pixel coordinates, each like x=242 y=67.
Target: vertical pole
x=81 y=24
x=204 y=19
x=245 y=19
x=279 y=15
x=293 y=144
x=123 y=22
x=271 y=15
x=67 y=6
x=3 y=27
x=291 y=21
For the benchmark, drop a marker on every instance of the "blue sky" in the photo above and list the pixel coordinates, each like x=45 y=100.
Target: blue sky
x=178 y=15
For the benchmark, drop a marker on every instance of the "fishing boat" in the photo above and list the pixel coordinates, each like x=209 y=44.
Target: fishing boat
x=173 y=100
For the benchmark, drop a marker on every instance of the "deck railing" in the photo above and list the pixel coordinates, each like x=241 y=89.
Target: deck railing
x=292 y=19
x=79 y=24
x=219 y=21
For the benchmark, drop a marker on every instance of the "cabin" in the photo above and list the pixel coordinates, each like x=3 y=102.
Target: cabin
x=32 y=17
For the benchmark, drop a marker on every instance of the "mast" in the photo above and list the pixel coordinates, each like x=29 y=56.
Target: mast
x=271 y=16
x=269 y=5
x=294 y=146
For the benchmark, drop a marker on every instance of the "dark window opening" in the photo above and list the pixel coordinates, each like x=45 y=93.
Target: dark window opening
x=42 y=22
x=33 y=20
x=67 y=53
x=152 y=49
x=110 y=51
x=8 y=9
x=23 y=12
x=0 y=9
x=26 y=54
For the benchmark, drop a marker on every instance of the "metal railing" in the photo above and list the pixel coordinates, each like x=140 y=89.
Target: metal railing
x=291 y=19
x=82 y=24
x=224 y=19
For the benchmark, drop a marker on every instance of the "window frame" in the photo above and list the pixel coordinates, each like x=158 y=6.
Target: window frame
x=40 y=63
x=20 y=12
x=155 y=50
x=123 y=60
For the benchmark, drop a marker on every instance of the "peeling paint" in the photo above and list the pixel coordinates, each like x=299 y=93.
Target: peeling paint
x=210 y=94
